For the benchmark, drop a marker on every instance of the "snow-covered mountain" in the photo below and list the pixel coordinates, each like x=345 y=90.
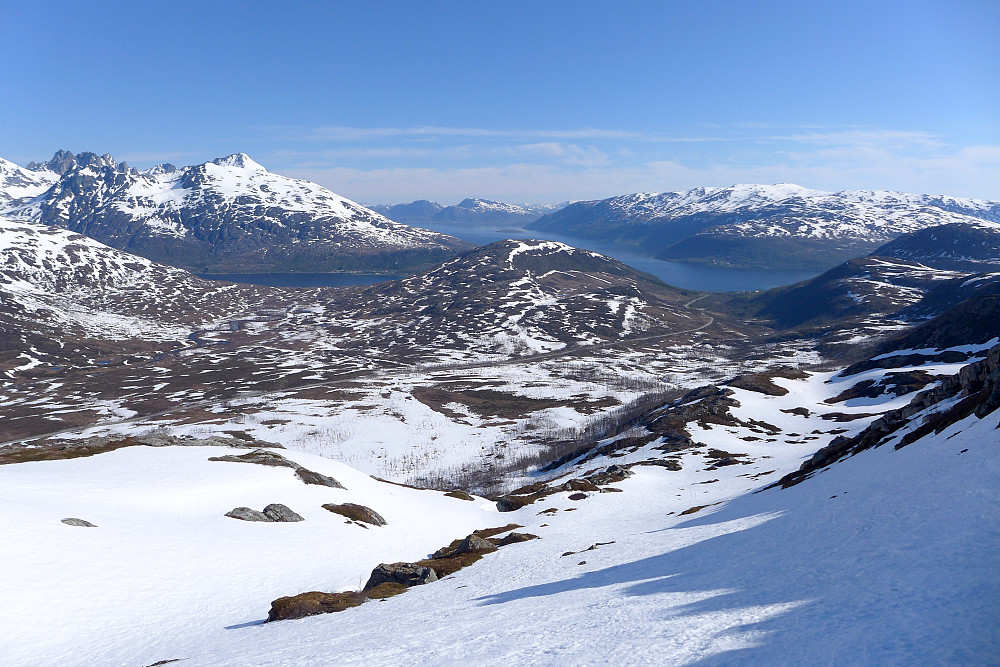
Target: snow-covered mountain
x=226 y=214
x=18 y=183
x=471 y=210
x=649 y=517
x=485 y=210
x=767 y=226
x=415 y=212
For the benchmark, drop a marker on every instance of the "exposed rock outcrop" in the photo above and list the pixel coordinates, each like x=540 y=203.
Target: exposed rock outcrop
x=407 y=574
x=281 y=513
x=356 y=512
x=83 y=523
x=976 y=385
x=274 y=513
x=312 y=603
x=390 y=579
x=248 y=514
x=266 y=458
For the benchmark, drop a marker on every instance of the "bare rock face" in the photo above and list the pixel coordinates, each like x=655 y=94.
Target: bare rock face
x=407 y=574
x=356 y=513
x=73 y=521
x=247 y=514
x=282 y=513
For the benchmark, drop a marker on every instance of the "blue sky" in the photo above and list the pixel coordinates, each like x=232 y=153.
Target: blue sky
x=520 y=101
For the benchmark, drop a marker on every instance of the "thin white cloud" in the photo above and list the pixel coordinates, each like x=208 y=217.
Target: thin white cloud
x=894 y=139
x=338 y=133
x=341 y=133
x=972 y=171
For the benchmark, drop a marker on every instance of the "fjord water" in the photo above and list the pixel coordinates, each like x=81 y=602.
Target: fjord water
x=687 y=276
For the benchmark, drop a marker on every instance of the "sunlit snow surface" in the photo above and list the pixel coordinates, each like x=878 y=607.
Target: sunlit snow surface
x=886 y=558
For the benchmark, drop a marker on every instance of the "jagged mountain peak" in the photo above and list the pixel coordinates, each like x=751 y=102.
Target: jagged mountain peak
x=64 y=161
x=61 y=162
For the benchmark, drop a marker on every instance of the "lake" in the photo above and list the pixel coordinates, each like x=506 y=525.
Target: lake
x=687 y=276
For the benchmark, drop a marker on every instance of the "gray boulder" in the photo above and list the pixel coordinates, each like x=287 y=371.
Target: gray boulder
x=473 y=543
x=72 y=521
x=247 y=514
x=279 y=512
x=407 y=574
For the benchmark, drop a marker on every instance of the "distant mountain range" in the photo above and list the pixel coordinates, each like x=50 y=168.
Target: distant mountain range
x=468 y=210
x=232 y=215
x=764 y=226
x=229 y=214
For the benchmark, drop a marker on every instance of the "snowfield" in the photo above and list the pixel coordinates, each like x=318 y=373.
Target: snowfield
x=888 y=557
x=164 y=564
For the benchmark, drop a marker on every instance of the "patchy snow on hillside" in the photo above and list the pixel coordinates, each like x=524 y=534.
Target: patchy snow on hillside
x=888 y=558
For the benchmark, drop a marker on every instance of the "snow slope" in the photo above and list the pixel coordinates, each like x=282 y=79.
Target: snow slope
x=19 y=183
x=887 y=557
x=164 y=564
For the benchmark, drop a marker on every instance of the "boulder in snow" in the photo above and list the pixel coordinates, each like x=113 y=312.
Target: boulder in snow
x=279 y=512
x=248 y=514
x=407 y=574
x=356 y=513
